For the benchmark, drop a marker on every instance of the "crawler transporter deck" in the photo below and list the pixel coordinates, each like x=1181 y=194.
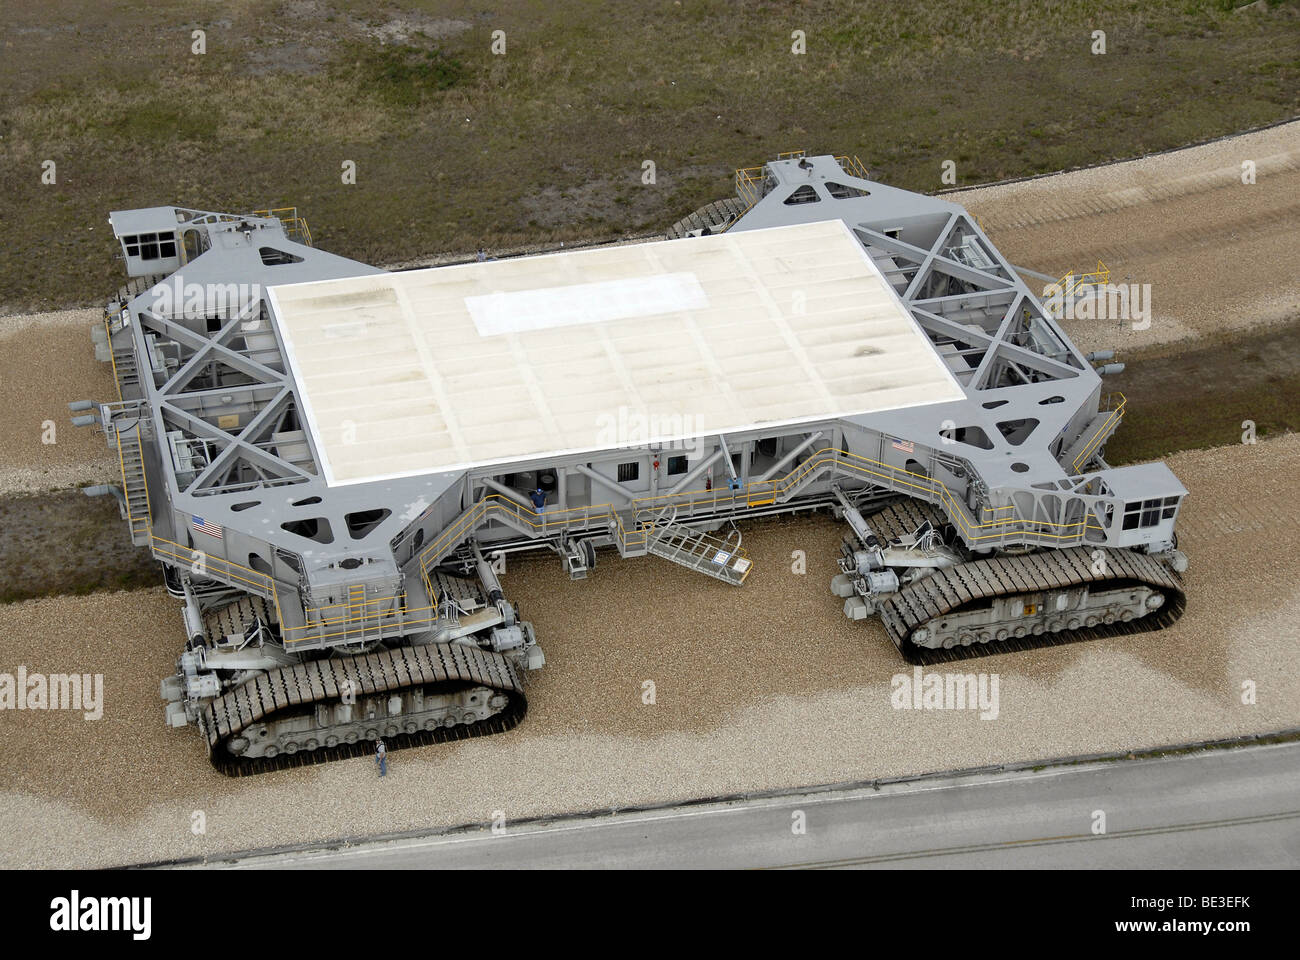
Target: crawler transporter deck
x=330 y=460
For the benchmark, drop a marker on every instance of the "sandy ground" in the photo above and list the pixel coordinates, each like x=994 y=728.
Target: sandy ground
x=763 y=687
x=1219 y=255
x=49 y=360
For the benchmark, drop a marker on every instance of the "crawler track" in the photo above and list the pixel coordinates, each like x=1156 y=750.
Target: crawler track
x=965 y=585
x=714 y=216
x=288 y=689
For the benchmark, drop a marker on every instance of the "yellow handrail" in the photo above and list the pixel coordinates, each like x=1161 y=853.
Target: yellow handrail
x=293 y=223
x=749 y=179
x=144 y=478
x=998 y=527
x=1072 y=282
x=768 y=492
x=266 y=583
x=108 y=332
x=131 y=519
x=1116 y=415
x=853 y=167
x=121 y=463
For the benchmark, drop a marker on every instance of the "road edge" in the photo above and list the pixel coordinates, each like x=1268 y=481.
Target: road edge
x=1285 y=735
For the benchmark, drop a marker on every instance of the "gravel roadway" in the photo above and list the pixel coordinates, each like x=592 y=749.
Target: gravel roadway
x=1219 y=254
x=763 y=687
x=49 y=361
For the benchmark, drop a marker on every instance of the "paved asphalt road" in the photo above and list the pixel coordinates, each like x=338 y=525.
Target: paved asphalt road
x=1237 y=808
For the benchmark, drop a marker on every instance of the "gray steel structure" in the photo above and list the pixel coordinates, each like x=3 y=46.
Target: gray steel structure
x=277 y=569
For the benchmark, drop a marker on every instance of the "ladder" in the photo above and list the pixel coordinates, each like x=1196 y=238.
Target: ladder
x=1073 y=285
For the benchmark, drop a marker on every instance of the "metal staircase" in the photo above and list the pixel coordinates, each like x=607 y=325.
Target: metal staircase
x=720 y=558
x=135 y=487
x=579 y=558
x=128 y=376
x=1010 y=515
x=1079 y=454
x=1060 y=295
x=121 y=354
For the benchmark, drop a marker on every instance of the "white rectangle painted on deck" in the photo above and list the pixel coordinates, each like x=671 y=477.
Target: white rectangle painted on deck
x=485 y=363
x=542 y=308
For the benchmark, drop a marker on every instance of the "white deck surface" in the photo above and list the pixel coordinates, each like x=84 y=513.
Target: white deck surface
x=482 y=363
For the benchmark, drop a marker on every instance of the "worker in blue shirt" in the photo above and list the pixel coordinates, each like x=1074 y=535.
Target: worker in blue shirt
x=539 y=499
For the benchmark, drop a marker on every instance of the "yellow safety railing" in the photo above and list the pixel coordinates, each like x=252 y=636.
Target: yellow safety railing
x=974 y=531
x=550 y=520
x=144 y=479
x=294 y=225
x=355 y=604
x=135 y=522
x=1071 y=282
x=753 y=494
x=760 y=493
x=1108 y=425
x=355 y=612
x=112 y=357
x=749 y=180
x=121 y=463
x=228 y=569
x=853 y=167
x=264 y=583
x=749 y=184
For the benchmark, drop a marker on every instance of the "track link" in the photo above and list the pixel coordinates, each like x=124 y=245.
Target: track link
x=291 y=688
x=901 y=518
x=715 y=216
x=234 y=617
x=949 y=590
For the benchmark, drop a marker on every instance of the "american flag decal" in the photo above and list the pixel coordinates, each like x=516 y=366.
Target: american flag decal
x=203 y=526
x=905 y=445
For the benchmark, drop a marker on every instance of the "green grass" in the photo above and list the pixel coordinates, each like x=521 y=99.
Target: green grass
x=1189 y=399
x=456 y=148
x=402 y=76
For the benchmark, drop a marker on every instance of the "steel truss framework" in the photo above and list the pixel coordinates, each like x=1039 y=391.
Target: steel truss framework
x=269 y=391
